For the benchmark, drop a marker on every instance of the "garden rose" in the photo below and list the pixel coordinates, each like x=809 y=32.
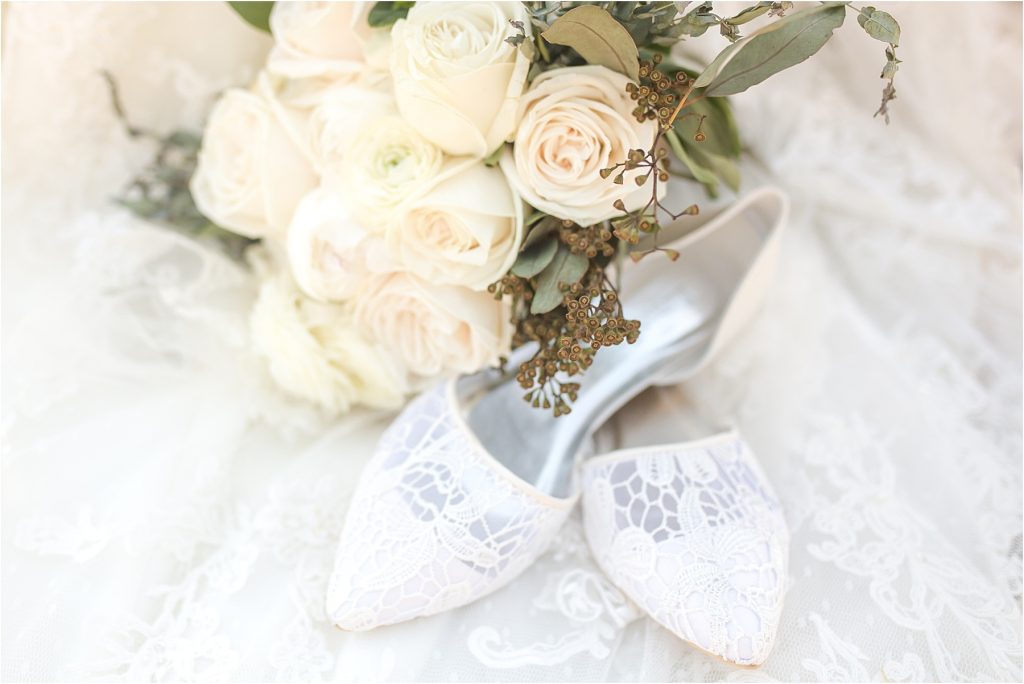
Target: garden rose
x=336 y=121
x=456 y=79
x=251 y=173
x=434 y=329
x=573 y=122
x=317 y=39
x=327 y=248
x=387 y=163
x=465 y=231
x=316 y=353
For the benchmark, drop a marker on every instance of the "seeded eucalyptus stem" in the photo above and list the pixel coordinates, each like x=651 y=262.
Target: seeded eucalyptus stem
x=663 y=99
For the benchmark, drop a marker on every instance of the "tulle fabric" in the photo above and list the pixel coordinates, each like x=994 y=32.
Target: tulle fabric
x=169 y=515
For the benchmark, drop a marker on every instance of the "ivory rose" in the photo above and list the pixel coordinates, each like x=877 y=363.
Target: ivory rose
x=466 y=231
x=434 y=329
x=573 y=122
x=251 y=173
x=327 y=248
x=317 y=39
x=316 y=353
x=456 y=79
x=336 y=121
x=387 y=163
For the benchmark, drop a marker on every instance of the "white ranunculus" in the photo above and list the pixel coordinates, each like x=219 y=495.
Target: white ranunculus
x=327 y=248
x=313 y=39
x=387 y=164
x=466 y=231
x=456 y=79
x=316 y=353
x=251 y=173
x=434 y=329
x=573 y=122
x=335 y=122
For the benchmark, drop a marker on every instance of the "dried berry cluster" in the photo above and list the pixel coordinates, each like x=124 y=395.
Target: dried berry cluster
x=589 y=241
x=658 y=95
x=589 y=318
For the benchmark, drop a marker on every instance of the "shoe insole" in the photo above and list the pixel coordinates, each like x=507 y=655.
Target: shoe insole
x=678 y=303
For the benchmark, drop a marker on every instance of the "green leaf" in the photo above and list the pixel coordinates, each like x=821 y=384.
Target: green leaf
x=494 y=157
x=565 y=268
x=715 y=67
x=255 y=13
x=750 y=13
x=725 y=169
x=892 y=64
x=721 y=135
x=775 y=47
x=535 y=258
x=597 y=37
x=879 y=25
x=698 y=20
x=533 y=218
x=701 y=173
x=545 y=224
x=387 y=13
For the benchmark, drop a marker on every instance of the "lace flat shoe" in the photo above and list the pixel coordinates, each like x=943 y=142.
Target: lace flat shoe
x=694 y=535
x=469 y=484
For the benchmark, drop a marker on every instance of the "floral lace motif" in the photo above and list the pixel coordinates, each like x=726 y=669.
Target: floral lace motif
x=693 y=534
x=436 y=522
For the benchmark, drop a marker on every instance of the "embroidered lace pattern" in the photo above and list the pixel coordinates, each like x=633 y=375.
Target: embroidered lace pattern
x=436 y=522
x=693 y=534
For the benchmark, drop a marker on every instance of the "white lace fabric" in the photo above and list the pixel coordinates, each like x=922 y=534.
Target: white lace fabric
x=168 y=515
x=435 y=522
x=695 y=536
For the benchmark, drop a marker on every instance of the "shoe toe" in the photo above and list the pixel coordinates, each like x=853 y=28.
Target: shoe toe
x=435 y=522
x=695 y=536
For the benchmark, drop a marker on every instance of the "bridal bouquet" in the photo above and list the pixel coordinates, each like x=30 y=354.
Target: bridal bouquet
x=432 y=184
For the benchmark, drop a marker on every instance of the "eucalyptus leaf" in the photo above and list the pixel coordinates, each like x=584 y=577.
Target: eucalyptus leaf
x=565 y=268
x=789 y=41
x=387 y=13
x=534 y=258
x=533 y=218
x=750 y=13
x=597 y=37
x=545 y=225
x=721 y=135
x=256 y=14
x=698 y=20
x=891 y=64
x=725 y=169
x=701 y=173
x=879 y=25
x=713 y=69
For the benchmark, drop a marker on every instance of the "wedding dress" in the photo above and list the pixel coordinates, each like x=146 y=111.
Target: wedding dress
x=169 y=515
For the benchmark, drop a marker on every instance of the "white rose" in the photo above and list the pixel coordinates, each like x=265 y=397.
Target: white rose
x=317 y=39
x=434 y=329
x=327 y=248
x=336 y=121
x=251 y=173
x=573 y=122
x=315 y=353
x=466 y=231
x=387 y=163
x=456 y=79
